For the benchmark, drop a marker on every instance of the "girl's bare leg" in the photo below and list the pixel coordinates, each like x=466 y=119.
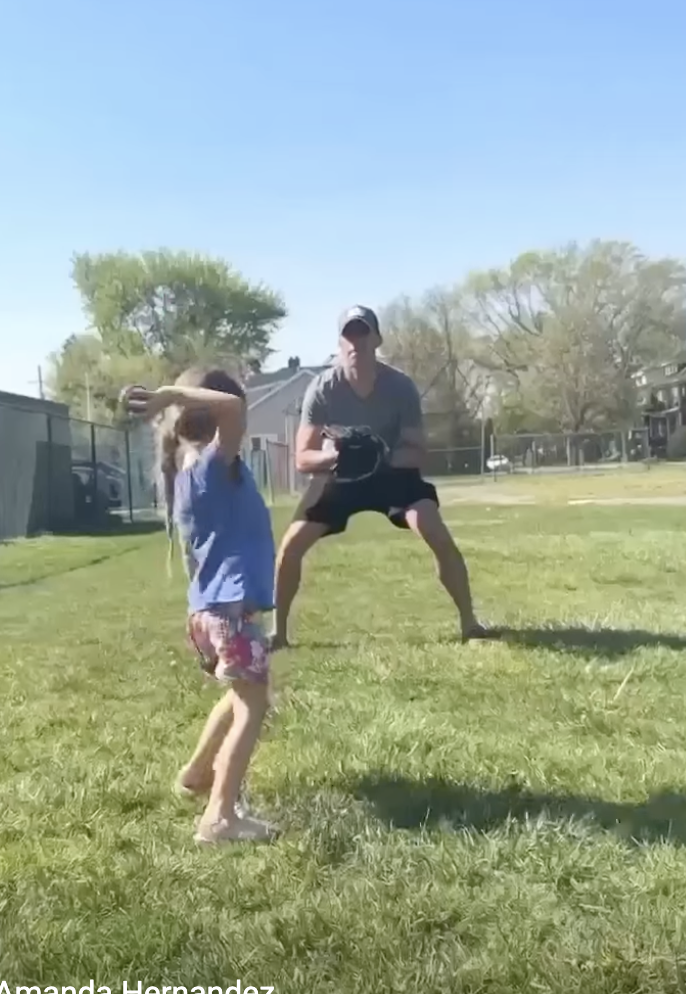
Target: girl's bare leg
x=250 y=704
x=198 y=774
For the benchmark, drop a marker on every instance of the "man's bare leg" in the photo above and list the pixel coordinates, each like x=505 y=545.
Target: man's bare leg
x=296 y=543
x=425 y=520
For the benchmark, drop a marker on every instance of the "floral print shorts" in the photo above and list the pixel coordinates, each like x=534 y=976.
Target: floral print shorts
x=231 y=644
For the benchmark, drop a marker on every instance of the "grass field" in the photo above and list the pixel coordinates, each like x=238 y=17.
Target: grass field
x=633 y=482
x=497 y=818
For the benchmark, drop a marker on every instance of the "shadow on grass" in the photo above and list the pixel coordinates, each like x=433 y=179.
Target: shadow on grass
x=323 y=644
x=580 y=640
x=111 y=528
x=403 y=803
x=123 y=530
x=609 y=642
x=32 y=581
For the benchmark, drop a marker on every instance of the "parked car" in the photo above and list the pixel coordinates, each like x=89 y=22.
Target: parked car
x=111 y=483
x=499 y=464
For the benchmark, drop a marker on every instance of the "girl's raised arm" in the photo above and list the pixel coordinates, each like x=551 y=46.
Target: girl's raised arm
x=227 y=410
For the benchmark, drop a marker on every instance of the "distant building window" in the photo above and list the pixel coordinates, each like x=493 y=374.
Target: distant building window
x=670 y=370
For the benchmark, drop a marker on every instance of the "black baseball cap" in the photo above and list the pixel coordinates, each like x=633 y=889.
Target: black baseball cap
x=359 y=314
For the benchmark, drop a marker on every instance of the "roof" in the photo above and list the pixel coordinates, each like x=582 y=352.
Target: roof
x=254 y=392
x=653 y=377
x=257 y=395
x=279 y=376
x=260 y=386
x=258 y=380
x=35 y=404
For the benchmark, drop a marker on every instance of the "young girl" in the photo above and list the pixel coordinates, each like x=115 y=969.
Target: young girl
x=226 y=532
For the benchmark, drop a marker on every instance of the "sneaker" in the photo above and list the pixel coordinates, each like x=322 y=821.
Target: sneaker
x=243 y=829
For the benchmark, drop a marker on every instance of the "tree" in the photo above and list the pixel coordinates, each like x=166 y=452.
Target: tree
x=89 y=380
x=154 y=314
x=184 y=307
x=566 y=330
x=431 y=343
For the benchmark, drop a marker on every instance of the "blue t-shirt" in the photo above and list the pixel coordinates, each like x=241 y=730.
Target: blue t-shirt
x=227 y=527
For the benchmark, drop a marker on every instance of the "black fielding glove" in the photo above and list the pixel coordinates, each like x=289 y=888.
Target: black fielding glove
x=361 y=453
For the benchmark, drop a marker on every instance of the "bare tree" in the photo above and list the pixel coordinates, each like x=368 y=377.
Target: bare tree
x=566 y=330
x=430 y=341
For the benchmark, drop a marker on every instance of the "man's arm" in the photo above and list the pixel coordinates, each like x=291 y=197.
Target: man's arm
x=410 y=452
x=309 y=457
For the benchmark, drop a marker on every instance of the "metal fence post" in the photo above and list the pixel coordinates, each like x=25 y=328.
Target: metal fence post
x=94 y=467
x=48 y=485
x=128 y=472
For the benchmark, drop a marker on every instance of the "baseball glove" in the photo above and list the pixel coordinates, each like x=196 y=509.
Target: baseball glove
x=361 y=453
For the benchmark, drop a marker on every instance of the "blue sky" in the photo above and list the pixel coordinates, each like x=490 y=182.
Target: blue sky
x=341 y=152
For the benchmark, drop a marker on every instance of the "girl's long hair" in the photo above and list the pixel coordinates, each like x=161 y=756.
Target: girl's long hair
x=195 y=426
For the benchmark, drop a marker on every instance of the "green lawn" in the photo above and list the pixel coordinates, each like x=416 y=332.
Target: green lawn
x=638 y=482
x=495 y=818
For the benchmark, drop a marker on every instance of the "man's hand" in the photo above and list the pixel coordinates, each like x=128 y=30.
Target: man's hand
x=309 y=457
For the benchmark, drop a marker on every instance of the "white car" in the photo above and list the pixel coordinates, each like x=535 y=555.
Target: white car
x=499 y=464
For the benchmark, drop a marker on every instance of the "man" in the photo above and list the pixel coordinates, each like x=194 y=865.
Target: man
x=359 y=390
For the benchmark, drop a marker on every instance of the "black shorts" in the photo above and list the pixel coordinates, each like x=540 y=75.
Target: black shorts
x=390 y=492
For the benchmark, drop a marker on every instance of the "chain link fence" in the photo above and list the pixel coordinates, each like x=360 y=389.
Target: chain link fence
x=64 y=474
x=538 y=453
x=274 y=470
x=274 y=467
x=277 y=476
x=61 y=473
x=113 y=472
x=460 y=461
x=550 y=452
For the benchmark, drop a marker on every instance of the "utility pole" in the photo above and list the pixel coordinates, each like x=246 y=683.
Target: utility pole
x=88 y=399
x=39 y=383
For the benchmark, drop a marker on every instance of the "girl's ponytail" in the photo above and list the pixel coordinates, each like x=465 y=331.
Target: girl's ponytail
x=169 y=447
x=194 y=426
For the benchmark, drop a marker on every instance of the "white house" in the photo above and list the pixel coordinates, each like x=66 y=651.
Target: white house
x=274 y=403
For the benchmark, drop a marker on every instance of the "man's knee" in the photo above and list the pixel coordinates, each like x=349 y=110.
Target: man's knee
x=425 y=520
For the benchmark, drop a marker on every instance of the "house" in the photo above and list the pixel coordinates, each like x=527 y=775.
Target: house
x=275 y=400
x=274 y=405
x=662 y=400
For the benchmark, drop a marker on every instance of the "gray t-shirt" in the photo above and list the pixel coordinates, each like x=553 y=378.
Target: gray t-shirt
x=393 y=405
